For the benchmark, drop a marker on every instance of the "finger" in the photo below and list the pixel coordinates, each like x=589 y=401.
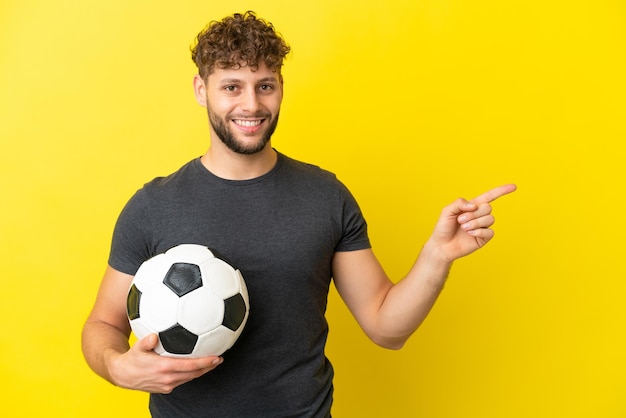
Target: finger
x=204 y=364
x=482 y=210
x=459 y=206
x=148 y=343
x=479 y=223
x=493 y=194
x=484 y=234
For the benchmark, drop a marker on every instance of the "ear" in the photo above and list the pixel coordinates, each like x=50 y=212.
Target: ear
x=281 y=83
x=199 y=90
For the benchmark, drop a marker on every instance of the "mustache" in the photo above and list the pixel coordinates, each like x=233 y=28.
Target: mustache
x=257 y=115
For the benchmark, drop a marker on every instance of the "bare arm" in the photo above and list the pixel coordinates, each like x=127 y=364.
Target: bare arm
x=107 y=351
x=389 y=313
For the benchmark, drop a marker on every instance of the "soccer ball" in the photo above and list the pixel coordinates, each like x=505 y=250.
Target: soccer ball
x=196 y=303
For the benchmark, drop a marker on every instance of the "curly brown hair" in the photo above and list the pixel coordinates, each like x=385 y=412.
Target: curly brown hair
x=237 y=41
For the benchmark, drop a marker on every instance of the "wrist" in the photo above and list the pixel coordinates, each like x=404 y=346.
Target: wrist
x=110 y=361
x=434 y=265
x=435 y=255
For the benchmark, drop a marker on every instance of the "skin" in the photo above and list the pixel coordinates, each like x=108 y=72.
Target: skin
x=243 y=105
x=233 y=96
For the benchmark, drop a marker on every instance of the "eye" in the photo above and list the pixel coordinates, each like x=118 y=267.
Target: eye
x=266 y=87
x=230 y=88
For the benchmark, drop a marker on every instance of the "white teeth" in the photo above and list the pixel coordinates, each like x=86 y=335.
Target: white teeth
x=247 y=123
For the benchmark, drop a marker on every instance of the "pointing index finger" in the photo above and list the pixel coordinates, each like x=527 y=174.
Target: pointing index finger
x=493 y=194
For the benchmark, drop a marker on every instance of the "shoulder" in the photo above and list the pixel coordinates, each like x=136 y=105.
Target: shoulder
x=185 y=173
x=175 y=182
x=306 y=171
x=162 y=189
x=313 y=178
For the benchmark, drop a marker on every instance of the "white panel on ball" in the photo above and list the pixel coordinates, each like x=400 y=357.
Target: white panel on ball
x=216 y=341
x=220 y=278
x=189 y=253
x=200 y=311
x=159 y=307
x=148 y=274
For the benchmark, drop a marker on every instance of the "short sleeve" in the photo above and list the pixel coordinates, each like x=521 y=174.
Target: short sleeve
x=130 y=243
x=354 y=226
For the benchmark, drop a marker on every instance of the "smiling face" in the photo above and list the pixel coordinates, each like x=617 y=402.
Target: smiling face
x=243 y=106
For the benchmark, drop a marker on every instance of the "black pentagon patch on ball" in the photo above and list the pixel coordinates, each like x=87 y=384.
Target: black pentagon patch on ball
x=178 y=340
x=234 y=312
x=183 y=278
x=132 y=302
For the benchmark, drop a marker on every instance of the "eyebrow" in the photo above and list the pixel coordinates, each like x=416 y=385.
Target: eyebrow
x=239 y=80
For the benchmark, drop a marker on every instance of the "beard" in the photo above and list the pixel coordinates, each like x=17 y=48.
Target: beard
x=226 y=135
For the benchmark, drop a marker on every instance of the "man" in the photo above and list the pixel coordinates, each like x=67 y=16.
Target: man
x=288 y=226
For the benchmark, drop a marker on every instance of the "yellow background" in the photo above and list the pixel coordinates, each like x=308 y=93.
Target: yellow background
x=413 y=104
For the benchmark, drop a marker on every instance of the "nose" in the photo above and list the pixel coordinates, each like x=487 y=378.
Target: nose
x=250 y=101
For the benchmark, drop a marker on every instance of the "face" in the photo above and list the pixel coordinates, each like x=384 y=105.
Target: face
x=243 y=106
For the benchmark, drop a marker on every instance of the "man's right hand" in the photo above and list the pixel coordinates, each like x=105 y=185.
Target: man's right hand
x=140 y=368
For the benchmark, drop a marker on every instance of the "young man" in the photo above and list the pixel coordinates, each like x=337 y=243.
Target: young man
x=288 y=226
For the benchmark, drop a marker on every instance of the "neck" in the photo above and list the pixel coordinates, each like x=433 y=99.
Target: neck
x=230 y=165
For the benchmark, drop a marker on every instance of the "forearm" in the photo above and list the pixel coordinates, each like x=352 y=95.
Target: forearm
x=409 y=301
x=100 y=341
